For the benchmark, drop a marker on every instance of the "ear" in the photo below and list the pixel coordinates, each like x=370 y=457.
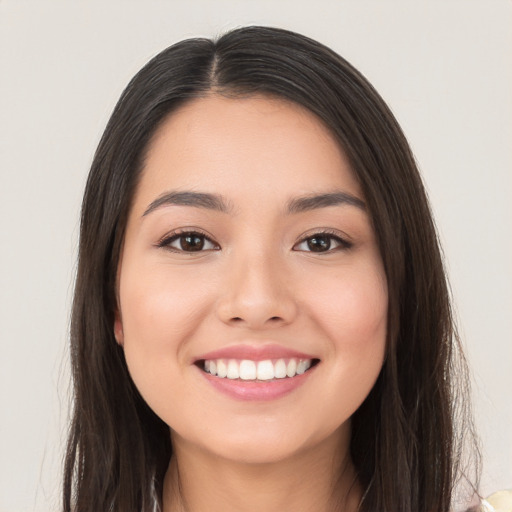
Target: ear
x=118 y=328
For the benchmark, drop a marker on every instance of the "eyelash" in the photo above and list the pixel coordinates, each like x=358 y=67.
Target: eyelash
x=166 y=242
x=343 y=243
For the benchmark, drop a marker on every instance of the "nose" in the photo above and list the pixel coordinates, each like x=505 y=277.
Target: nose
x=258 y=294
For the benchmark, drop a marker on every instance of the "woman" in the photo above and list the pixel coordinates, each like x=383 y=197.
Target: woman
x=261 y=316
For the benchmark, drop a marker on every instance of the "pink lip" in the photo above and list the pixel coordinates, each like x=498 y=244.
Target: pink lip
x=256 y=391
x=254 y=353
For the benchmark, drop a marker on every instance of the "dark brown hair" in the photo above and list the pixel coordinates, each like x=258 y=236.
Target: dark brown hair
x=405 y=444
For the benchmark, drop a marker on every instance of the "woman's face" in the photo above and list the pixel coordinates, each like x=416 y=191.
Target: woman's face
x=249 y=252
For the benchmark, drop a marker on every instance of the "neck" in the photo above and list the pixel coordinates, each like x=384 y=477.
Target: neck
x=316 y=480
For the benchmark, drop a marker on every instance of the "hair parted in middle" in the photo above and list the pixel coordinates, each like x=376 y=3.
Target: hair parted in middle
x=404 y=444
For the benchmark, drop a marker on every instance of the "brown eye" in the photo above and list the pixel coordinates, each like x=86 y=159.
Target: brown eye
x=319 y=243
x=322 y=243
x=188 y=241
x=191 y=242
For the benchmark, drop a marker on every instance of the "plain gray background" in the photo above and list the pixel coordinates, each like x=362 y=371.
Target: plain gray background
x=443 y=67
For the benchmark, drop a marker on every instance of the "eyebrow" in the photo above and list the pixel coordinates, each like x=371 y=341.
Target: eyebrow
x=315 y=201
x=195 y=199
x=218 y=203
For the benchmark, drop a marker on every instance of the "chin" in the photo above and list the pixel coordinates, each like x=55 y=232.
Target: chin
x=264 y=444
x=258 y=451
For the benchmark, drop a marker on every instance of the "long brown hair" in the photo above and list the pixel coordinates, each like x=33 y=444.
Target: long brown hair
x=405 y=444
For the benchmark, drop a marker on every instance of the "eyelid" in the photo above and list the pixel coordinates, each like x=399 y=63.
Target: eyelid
x=173 y=235
x=341 y=238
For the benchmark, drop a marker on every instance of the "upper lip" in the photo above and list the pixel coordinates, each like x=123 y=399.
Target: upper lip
x=253 y=352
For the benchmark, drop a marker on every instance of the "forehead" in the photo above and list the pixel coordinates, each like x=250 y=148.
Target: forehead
x=248 y=148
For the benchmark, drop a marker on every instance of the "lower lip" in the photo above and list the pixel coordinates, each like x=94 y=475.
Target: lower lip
x=257 y=390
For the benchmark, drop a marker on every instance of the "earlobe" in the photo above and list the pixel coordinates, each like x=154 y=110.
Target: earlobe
x=118 y=329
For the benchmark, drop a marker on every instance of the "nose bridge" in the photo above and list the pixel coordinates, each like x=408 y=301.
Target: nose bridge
x=259 y=277
x=256 y=293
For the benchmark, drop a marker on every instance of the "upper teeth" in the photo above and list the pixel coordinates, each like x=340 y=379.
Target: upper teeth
x=256 y=370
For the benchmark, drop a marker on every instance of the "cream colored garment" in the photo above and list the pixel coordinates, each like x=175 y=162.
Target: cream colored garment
x=500 y=501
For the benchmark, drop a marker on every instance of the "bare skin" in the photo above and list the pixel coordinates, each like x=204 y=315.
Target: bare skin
x=306 y=483
x=270 y=249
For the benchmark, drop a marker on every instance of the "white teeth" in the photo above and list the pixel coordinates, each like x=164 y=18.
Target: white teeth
x=280 y=369
x=257 y=370
x=291 y=369
x=302 y=367
x=265 y=370
x=222 y=369
x=247 y=370
x=233 y=372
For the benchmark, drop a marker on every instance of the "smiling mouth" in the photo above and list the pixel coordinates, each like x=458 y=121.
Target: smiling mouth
x=256 y=371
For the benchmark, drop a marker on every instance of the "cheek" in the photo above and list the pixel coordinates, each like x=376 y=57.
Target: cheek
x=160 y=306
x=161 y=312
x=352 y=314
x=353 y=307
